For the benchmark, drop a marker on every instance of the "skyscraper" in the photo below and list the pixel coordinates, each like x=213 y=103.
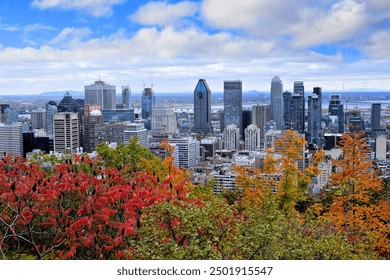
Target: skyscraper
x=202 y=108
x=260 y=116
x=298 y=107
x=92 y=117
x=51 y=109
x=337 y=109
x=66 y=132
x=246 y=120
x=287 y=110
x=187 y=151
x=148 y=104
x=231 y=137
x=375 y=116
x=126 y=95
x=277 y=102
x=232 y=103
x=11 y=139
x=136 y=130
x=164 y=120
x=38 y=119
x=314 y=117
x=252 y=138
x=101 y=94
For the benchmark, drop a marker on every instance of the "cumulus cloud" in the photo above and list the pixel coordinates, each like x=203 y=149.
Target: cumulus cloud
x=265 y=17
x=162 y=13
x=96 y=8
x=68 y=35
x=378 y=45
x=343 y=21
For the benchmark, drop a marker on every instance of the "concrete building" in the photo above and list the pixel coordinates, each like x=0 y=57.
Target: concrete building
x=101 y=94
x=136 y=130
x=92 y=117
x=260 y=116
x=336 y=109
x=38 y=119
x=252 y=138
x=164 y=120
x=231 y=138
x=11 y=139
x=187 y=151
x=66 y=132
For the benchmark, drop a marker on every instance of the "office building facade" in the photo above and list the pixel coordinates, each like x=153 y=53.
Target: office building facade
x=232 y=103
x=202 y=108
x=277 y=102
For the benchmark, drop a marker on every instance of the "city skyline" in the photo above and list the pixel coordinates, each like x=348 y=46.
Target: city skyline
x=62 y=45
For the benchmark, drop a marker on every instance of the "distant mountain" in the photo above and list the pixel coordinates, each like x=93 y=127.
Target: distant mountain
x=60 y=94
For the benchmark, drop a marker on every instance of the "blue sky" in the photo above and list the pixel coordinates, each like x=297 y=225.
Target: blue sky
x=54 y=45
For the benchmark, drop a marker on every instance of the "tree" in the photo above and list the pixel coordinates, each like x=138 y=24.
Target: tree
x=353 y=208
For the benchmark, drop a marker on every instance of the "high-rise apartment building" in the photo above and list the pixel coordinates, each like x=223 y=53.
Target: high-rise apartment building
x=202 y=108
x=260 y=116
x=11 y=139
x=66 y=132
x=92 y=117
x=314 y=117
x=277 y=102
x=252 y=138
x=148 y=104
x=232 y=103
x=298 y=107
x=231 y=137
x=336 y=109
x=101 y=94
x=187 y=151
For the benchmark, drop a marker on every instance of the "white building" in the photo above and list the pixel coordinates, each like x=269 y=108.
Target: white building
x=136 y=130
x=164 y=120
x=252 y=137
x=66 y=132
x=231 y=137
x=380 y=147
x=225 y=180
x=187 y=151
x=11 y=139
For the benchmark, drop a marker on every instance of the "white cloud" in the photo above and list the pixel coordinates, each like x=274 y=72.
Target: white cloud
x=70 y=35
x=162 y=13
x=265 y=17
x=378 y=45
x=96 y=8
x=343 y=21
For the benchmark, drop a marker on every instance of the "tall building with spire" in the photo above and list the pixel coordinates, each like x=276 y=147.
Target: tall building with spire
x=202 y=108
x=232 y=103
x=277 y=102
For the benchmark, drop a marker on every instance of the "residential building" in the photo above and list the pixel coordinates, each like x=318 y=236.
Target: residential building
x=66 y=132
